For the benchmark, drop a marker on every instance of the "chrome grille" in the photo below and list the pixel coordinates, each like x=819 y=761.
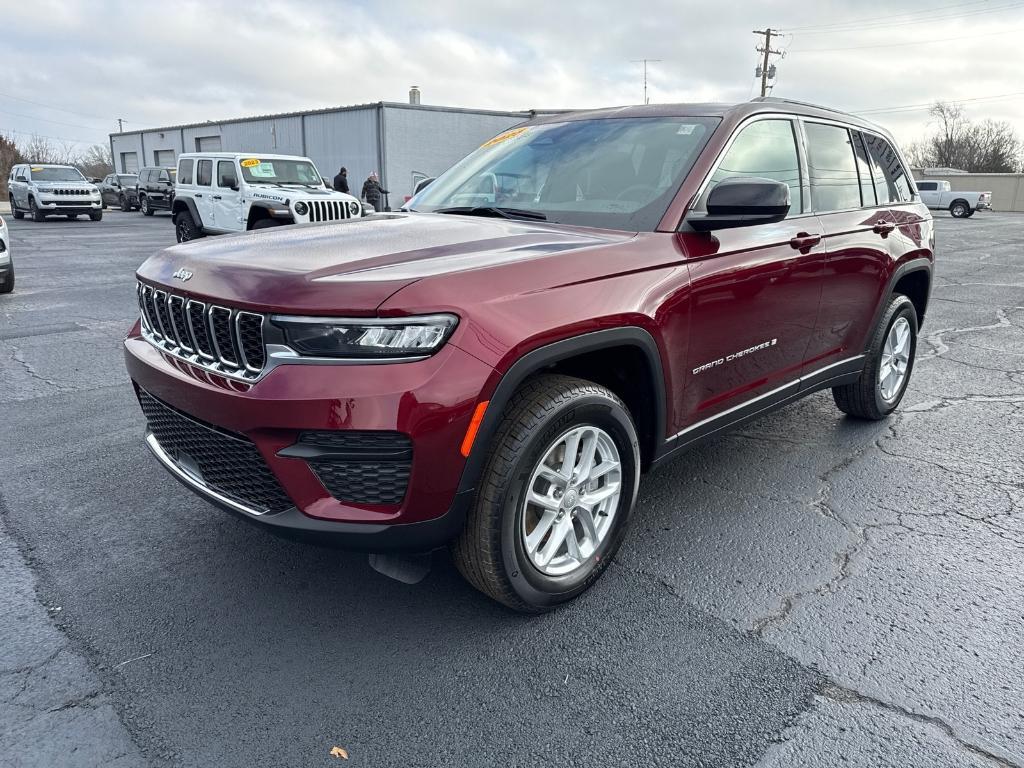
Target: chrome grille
x=67 y=192
x=221 y=339
x=327 y=210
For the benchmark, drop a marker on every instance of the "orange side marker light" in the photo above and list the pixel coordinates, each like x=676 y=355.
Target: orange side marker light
x=474 y=427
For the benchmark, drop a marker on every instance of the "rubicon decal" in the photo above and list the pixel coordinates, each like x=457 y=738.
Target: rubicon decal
x=735 y=356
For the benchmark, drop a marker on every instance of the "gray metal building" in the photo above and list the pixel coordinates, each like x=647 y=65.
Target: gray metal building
x=404 y=143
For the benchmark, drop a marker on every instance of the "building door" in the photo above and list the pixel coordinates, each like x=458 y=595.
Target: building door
x=208 y=144
x=164 y=158
x=129 y=162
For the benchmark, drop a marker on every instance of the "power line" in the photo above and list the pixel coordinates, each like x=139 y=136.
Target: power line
x=767 y=51
x=916 y=107
x=32 y=134
x=48 y=120
x=918 y=21
x=51 y=106
x=907 y=45
x=860 y=21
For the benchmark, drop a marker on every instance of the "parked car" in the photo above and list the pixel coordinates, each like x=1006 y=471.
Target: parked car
x=121 y=189
x=252 y=192
x=43 y=190
x=156 y=189
x=496 y=368
x=939 y=195
x=6 y=261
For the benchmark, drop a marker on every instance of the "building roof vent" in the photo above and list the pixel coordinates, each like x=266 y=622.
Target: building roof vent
x=414 y=94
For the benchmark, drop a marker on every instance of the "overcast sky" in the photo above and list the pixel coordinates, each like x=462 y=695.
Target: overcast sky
x=72 y=67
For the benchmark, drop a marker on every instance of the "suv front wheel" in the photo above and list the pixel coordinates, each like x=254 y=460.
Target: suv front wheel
x=145 y=207
x=555 y=497
x=890 y=361
x=185 y=228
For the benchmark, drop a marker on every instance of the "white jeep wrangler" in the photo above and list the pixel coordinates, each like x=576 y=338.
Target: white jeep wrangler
x=222 y=192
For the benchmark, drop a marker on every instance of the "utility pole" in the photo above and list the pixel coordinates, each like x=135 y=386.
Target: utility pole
x=120 y=125
x=638 y=61
x=766 y=50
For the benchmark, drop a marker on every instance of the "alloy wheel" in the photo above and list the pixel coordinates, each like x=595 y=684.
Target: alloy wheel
x=895 y=360
x=571 y=500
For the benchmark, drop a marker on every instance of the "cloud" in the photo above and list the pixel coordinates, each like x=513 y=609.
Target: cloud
x=212 y=60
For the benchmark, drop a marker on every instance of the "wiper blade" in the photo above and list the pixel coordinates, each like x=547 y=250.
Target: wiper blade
x=491 y=210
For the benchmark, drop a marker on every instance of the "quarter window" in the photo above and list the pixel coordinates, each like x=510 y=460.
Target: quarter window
x=890 y=178
x=766 y=148
x=204 y=173
x=185 y=171
x=835 y=185
x=867 y=189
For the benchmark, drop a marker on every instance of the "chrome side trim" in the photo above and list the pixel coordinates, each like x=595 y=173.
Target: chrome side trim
x=795 y=385
x=195 y=483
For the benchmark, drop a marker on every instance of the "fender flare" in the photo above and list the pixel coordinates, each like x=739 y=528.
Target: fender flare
x=541 y=357
x=274 y=210
x=189 y=204
x=919 y=264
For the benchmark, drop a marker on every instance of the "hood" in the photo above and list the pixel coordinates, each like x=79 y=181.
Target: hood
x=355 y=265
x=287 y=193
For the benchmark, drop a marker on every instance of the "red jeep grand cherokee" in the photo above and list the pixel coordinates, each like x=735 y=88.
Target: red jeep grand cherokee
x=578 y=300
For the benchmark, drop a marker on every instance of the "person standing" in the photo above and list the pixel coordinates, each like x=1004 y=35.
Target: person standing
x=372 y=191
x=341 y=181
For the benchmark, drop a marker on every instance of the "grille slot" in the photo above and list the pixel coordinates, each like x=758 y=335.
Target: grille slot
x=223 y=343
x=227 y=462
x=227 y=341
x=361 y=467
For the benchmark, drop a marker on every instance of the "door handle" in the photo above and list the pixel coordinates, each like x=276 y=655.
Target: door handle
x=883 y=228
x=216 y=197
x=199 y=194
x=804 y=241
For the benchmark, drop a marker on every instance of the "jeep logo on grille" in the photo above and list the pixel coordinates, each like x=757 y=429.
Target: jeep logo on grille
x=182 y=274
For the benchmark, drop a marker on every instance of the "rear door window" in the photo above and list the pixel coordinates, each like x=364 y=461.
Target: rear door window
x=185 y=172
x=835 y=185
x=204 y=174
x=867 y=187
x=766 y=149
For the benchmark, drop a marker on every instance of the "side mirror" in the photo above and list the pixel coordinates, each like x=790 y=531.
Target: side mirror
x=743 y=201
x=422 y=184
x=22 y=179
x=229 y=183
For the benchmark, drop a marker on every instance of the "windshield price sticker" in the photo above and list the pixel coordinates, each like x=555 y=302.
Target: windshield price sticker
x=262 y=170
x=35 y=170
x=686 y=129
x=249 y=162
x=502 y=137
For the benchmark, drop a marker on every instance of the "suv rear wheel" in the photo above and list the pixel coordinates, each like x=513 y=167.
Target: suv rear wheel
x=185 y=228
x=555 y=496
x=890 y=362
x=122 y=201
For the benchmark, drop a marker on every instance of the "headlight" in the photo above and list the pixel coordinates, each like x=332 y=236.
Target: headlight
x=353 y=208
x=366 y=337
x=301 y=208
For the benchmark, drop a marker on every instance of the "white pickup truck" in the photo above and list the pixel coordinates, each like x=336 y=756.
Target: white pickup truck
x=938 y=195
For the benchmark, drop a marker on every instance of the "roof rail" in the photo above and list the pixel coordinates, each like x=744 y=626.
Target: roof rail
x=780 y=100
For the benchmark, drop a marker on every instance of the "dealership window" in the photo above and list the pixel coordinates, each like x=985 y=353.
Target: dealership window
x=185 y=172
x=766 y=149
x=835 y=185
x=205 y=173
x=163 y=157
x=129 y=162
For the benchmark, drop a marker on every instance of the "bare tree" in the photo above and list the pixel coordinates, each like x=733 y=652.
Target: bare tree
x=986 y=147
x=96 y=162
x=9 y=155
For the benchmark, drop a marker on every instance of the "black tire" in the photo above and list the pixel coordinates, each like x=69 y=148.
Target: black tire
x=18 y=214
x=266 y=223
x=7 y=283
x=96 y=215
x=34 y=212
x=71 y=216
x=960 y=209
x=123 y=203
x=490 y=552
x=185 y=228
x=145 y=207
x=971 y=212
x=863 y=398
x=103 y=203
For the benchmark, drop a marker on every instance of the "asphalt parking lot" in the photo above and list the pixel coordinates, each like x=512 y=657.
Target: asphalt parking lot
x=809 y=591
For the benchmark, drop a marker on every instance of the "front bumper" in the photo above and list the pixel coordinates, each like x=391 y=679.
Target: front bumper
x=65 y=205
x=430 y=401
x=983 y=206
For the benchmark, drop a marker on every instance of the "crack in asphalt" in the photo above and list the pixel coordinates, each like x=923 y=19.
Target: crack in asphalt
x=938 y=345
x=19 y=358
x=844 y=694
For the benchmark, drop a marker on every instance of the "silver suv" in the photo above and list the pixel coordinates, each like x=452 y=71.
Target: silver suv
x=52 y=190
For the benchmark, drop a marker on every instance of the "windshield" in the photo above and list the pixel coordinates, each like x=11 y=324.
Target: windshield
x=56 y=174
x=618 y=173
x=257 y=170
x=129 y=179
